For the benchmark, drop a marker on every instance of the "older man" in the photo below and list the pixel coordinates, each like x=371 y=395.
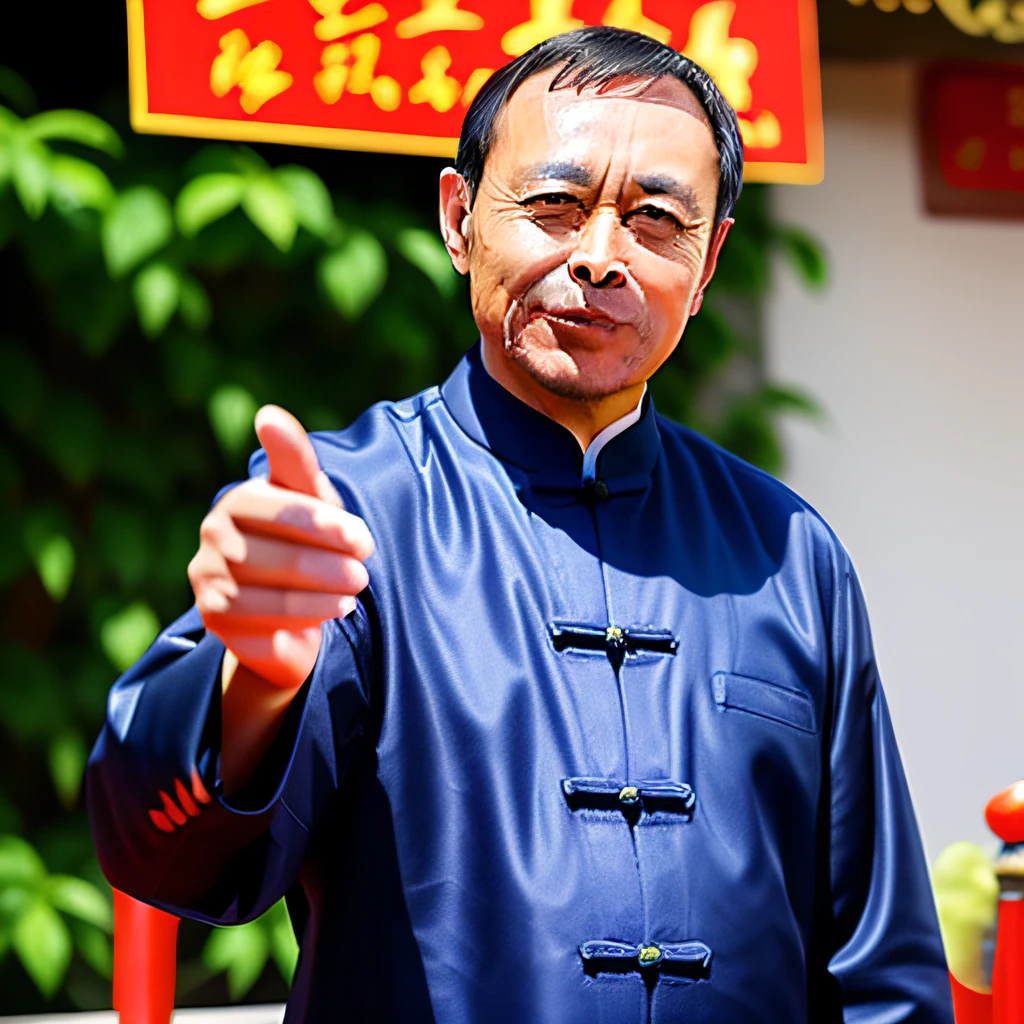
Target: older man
x=596 y=733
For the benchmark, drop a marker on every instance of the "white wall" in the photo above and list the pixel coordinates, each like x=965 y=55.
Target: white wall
x=916 y=350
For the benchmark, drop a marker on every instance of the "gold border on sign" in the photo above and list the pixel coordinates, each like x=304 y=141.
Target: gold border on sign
x=143 y=121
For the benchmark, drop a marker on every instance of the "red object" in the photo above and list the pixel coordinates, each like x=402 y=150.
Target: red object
x=398 y=75
x=972 y=129
x=1008 y=972
x=1005 y=813
x=145 y=959
x=970 y=1007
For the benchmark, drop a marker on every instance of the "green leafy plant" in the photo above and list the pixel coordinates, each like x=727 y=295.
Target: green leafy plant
x=164 y=289
x=243 y=952
x=44 y=918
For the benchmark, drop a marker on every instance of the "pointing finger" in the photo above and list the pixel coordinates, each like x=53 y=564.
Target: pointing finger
x=292 y=461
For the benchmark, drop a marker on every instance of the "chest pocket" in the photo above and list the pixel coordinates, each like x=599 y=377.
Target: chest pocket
x=766 y=700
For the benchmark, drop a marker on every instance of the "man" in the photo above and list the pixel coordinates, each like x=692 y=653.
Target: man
x=596 y=733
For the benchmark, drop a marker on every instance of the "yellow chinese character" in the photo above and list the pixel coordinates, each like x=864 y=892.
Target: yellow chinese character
x=547 y=18
x=630 y=14
x=357 y=77
x=474 y=84
x=436 y=87
x=253 y=70
x=438 y=16
x=730 y=62
x=213 y=9
x=764 y=133
x=334 y=23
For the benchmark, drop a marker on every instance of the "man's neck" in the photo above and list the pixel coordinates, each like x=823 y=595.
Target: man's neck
x=583 y=419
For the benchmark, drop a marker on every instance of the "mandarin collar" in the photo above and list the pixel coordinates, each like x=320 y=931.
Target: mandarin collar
x=535 y=444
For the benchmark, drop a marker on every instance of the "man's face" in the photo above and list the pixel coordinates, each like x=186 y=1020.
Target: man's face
x=589 y=238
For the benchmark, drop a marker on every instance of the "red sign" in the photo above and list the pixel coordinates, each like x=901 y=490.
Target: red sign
x=398 y=75
x=973 y=133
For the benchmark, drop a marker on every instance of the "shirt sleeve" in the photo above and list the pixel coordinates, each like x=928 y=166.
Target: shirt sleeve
x=164 y=832
x=881 y=936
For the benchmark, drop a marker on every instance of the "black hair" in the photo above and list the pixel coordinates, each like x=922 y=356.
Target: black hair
x=595 y=57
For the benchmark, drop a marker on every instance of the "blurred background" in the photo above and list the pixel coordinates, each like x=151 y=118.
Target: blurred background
x=155 y=291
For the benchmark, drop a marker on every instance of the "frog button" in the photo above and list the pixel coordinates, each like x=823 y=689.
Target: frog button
x=613 y=637
x=629 y=796
x=649 y=955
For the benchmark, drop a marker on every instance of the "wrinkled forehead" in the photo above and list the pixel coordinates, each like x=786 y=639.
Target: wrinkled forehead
x=537 y=115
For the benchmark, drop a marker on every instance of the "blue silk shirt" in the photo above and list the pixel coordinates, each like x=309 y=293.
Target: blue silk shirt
x=612 y=752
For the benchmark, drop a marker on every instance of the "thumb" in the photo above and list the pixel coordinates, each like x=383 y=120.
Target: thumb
x=290 y=456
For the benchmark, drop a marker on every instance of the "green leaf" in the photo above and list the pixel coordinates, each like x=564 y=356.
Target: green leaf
x=30 y=706
x=43 y=944
x=22 y=386
x=424 y=249
x=283 y=947
x=789 y=399
x=54 y=560
x=126 y=635
x=75 y=184
x=20 y=865
x=242 y=951
x=157 y=292
x=75 y=126
x=269 y=207
x=122 y=538
x=66 y=756
x=354 y=273
x=189 y=367
x=70 y=435
x=232 y=410
x=136 y=226
x=30 y=171
x=311 y=202
x=94 y=948
x=805 y=256
x=195 y=304
x=207 y=198
x=17 y=92
x=81 y=899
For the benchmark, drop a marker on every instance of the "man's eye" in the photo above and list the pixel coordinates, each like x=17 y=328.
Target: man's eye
x=661 y=217
x=550 y=199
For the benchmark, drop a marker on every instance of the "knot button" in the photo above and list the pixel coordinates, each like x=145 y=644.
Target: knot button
x=629 y=795
x=649 y=955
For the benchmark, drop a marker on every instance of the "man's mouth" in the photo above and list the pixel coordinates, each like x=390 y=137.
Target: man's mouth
x=575 y=318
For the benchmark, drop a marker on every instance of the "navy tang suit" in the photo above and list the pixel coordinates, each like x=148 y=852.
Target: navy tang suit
x=611 y=752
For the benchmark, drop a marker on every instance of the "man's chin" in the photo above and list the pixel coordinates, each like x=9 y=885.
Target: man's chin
x=579 y=376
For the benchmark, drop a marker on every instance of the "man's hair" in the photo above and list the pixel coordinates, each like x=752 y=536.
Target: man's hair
x=595 y=57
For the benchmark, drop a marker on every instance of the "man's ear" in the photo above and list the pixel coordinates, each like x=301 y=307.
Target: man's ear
x=718 y=238
x=455 y=218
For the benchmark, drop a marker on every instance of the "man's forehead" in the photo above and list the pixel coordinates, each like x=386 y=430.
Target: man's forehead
x=665 y=90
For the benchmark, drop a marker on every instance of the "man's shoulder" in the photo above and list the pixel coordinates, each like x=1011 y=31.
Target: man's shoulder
x=732 y=486
x=382 y=429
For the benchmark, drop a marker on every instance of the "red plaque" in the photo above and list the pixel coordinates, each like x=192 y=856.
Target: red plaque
x=397 y=75
x=972 y=129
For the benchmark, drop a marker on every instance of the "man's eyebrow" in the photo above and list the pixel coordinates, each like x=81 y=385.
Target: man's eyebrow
x=560 y=170
x=661 y=185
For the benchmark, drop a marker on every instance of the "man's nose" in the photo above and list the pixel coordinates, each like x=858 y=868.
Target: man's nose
x=595 y=259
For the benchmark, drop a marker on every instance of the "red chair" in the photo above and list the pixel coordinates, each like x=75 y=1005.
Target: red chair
x=145 y=961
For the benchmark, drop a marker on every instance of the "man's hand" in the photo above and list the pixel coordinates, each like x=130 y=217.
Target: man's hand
x=277 y=558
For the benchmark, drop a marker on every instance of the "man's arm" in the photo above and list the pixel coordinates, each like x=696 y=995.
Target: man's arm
x=881 y=931
x=165 y=830
x=218 y=749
